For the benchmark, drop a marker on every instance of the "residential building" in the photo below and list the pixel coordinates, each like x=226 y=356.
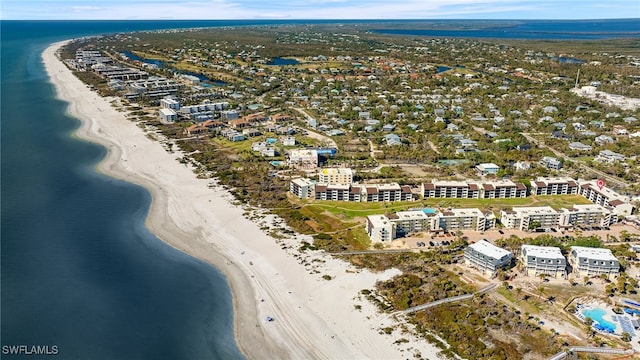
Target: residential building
x=464 y=219
x=450 y=189
x=411 y=221
x=487 y=257
x=578 y=146
x=487 y=169
x=387 y=192
x=543 y=260
x=593 y=262
x=587 y=216
x=473 y=190
x=606 y=197
x=334 y=192
x=303 y=188
x=380 y=229
x=504 y=189
x=610 y=156
x=530 y=218
x=335 y=176
x=554 y=186
x=169 y=103
x=551 y=163
x=303 y=158
x=167 y=115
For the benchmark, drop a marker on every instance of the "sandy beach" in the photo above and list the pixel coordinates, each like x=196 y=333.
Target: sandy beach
x=314 y=318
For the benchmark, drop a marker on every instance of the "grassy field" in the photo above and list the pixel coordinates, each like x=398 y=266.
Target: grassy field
x=351 y=210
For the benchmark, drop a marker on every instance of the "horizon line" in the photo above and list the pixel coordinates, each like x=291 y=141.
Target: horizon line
x=329 y=19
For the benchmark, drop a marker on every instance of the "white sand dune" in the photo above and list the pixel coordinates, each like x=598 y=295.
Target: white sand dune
x=314 y=318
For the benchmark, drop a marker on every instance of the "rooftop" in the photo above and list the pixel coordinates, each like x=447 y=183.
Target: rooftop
x=593 y=253
x=547 y=252
x=488 y=249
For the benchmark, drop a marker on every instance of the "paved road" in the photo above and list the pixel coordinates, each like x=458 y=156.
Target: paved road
x=312 y=134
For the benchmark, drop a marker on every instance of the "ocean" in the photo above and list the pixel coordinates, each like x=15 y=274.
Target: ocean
x=80 y=274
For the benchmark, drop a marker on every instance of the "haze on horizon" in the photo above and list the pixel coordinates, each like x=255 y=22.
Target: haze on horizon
x=317 y=9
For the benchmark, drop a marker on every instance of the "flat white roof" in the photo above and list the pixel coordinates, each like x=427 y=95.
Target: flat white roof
x=467 y=212
x=486 y=248
x=410 y=215
x=334 y=171
x=593 y=253
x=390 y=186
x=546 y=252
x=302 y=181
x=534 y=210
x=591 y=208
x=378 y=220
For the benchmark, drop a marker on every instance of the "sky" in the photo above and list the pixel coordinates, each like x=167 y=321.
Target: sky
x=316 y=9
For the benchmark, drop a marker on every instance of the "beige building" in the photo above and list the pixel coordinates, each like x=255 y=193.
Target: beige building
x=336 y=176
x=530 y=218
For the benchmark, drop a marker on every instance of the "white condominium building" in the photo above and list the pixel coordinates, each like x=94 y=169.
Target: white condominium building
x=593 y=261
x=529 y=218
x=586 y=216
x=606 y=197
x=335 y=176
x=380 y=228
x=412 y=221
x=543 y=260
x=303 y=188
x=554 y=186
x=473 y=190
x=486 y=257
x=464 y=219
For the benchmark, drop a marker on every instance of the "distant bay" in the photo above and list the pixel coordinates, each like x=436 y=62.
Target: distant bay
x=520 y=29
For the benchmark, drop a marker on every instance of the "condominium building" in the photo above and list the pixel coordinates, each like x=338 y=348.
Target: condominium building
x=606 y=197
x=473 y=190
x=587 y=216
x=334 y=192
x=303 y=188
x=554 y=186
x=387 y=192
x=380 y=229
x=487 y=257
x=593 y=262
x=450 y=189
x=335 y=176
x=505 y=189
x=412 y=221
x=303 y=158
x=543 y=260
x=529 y=218
x=464 y=219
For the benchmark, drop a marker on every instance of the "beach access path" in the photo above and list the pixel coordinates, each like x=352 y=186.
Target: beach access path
x=314 y=318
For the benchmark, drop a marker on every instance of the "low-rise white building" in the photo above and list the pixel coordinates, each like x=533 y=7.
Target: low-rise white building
x=554 y=186
x=530 y=218
x=302 y=187
x=593 y=262
x=587 y=216
x=487 y=257
x=543 y=260
x=380 y=229
x=464 y=219
x=606 y=197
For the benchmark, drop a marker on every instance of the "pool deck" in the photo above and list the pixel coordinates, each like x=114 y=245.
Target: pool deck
x=621 y=321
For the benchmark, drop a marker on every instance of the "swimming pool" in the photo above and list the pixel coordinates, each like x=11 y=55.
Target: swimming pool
x=597 y=316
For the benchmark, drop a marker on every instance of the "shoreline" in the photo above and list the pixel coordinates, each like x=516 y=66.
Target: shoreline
x=314 y=317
